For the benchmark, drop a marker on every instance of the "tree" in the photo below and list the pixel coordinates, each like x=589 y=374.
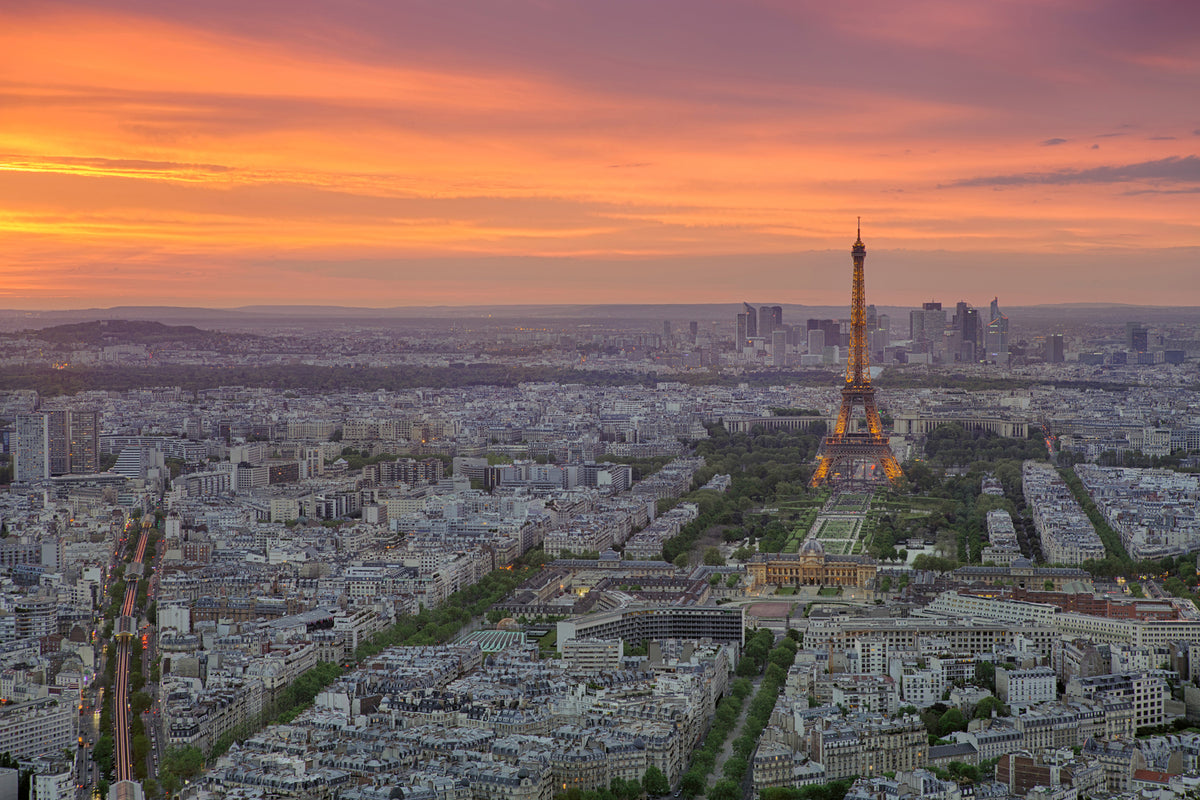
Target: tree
x=985 y=674
x=735 y=768
x=989 y=704
x=713 y=557
x=953 y=720
x=655 y=782
x=725 y=789
x=692 y=783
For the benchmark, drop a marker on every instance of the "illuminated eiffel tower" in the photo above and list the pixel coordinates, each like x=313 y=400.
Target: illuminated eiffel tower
x=846 y=451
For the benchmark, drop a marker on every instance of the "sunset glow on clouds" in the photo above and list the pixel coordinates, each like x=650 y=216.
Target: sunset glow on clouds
x=402 y=153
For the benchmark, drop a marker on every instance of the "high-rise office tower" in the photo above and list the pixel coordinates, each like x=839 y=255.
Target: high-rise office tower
x=916 y=325
x=927 y=324
x=966 y=326
x=770 y=318
x=996 y=336
x=667 y=329
x=693 y=330
x=816 y=341
x=779 y=347
x=31 y=452
x=751 y=321
x=1054 y=348
x=740 y=332
x=1137 y=337
x=766 y=325
x=831 y=327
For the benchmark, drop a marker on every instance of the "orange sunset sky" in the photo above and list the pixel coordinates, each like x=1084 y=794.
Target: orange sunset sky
x=385 y=152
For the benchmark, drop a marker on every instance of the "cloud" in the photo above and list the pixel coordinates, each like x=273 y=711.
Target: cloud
x=1193 y=190
x=1175 y=168
x=1053 y=142
x=1162 y=138
x=17 y=162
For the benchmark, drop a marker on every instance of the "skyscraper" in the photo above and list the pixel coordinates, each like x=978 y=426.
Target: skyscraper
x=816 y=341
x=1137 y=337
x=779 y=347
x=751 y=321
x=766 y=325
x=769 y=319
x=996 y=336
x=927 y=323
x=831 y=327
x=966 y=326
x=59 y=432
x=31 y=452
x=74 y=441
x=1054 y=348
x=85 y=442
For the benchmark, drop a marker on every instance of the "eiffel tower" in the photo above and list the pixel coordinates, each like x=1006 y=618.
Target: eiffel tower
x=846 y=449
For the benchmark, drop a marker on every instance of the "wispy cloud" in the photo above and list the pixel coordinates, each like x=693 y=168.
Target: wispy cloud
x=1184 y=169
x=1053 y=142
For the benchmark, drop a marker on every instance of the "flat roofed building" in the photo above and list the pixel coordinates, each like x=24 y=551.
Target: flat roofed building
x=716 y=623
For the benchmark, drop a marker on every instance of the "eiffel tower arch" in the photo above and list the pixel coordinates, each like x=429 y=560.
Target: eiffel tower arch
x=848 y=454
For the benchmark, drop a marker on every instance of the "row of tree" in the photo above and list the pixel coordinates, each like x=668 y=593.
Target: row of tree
x=778 y=662
x=704 y=757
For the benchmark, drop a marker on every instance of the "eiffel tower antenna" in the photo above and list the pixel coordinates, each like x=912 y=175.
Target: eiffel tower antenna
x=845 y=450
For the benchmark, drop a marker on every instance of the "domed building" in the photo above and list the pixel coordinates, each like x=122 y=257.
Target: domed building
x=812 y=566
x=812 y=547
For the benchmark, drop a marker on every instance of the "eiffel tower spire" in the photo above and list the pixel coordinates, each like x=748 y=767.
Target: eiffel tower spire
x=845 y=449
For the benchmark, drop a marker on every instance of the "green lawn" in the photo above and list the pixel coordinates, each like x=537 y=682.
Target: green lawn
x=837 y=529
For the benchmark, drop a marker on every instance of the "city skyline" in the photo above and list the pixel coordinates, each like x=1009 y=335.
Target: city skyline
x=402 y=155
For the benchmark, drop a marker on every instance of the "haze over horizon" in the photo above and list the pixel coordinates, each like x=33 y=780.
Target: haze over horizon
x=224 y=154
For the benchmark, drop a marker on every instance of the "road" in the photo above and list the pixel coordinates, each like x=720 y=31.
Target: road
x=123 y=746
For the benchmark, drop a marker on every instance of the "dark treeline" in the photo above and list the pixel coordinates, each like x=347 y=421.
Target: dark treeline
x=951 y=445
x=48 y=381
